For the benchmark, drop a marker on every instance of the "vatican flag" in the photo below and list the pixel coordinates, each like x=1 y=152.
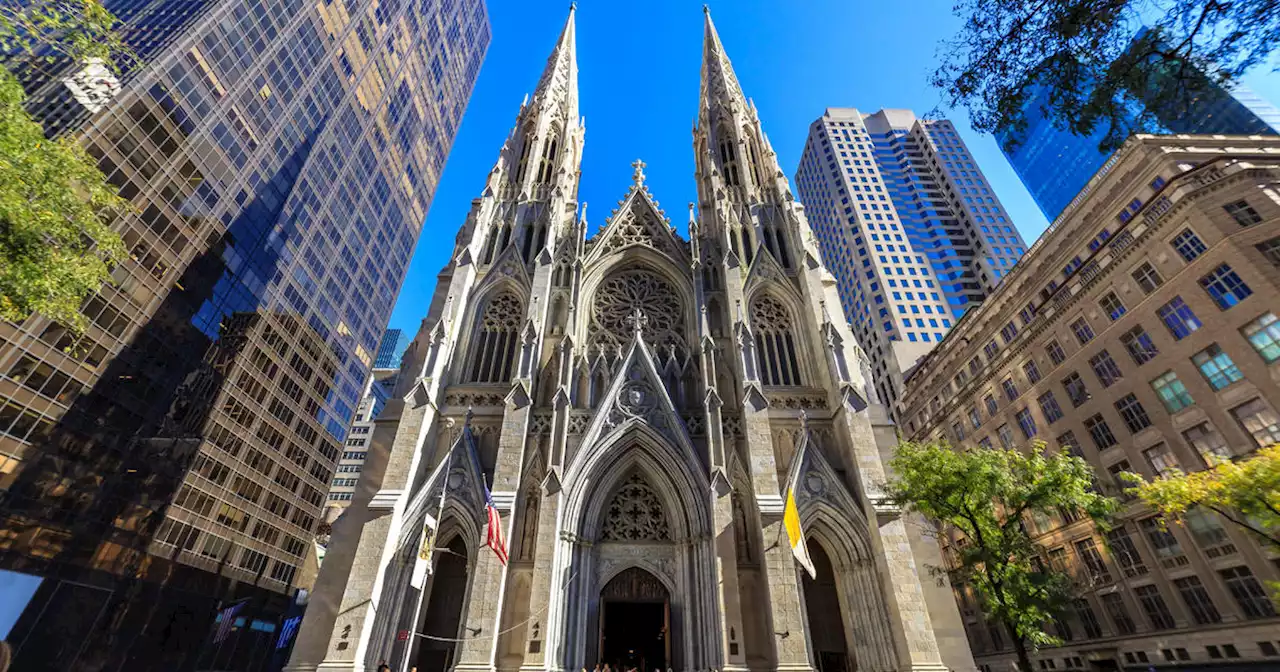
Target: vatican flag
x=422 y=563
x=791 y=520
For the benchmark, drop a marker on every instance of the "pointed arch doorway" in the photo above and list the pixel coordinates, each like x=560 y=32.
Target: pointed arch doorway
x=635 y=622
x=826 y=619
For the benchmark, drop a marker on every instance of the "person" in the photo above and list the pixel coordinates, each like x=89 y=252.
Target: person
x=383 y=666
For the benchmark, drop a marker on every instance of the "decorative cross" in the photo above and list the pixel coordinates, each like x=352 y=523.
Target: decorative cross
x=638 y=320
x=638 y=176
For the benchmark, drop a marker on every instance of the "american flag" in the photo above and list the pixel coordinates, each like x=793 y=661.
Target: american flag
x=495 y=539
x=227 y=620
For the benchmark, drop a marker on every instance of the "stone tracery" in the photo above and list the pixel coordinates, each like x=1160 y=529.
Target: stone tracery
x=635 y=514
x=621 y=294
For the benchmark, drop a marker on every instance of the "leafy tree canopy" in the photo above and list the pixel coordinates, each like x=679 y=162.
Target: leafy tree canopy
x=1094 y=61
x=56 y=244
x=1246 y=492
x=981 y=497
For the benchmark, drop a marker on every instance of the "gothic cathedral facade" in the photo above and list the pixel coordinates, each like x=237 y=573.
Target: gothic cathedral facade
x=635 y=402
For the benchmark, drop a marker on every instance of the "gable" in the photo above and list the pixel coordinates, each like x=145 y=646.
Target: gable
x=639 y=222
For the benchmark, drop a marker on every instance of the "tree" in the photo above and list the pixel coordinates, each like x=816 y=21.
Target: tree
x=1245 y=492
x=980 y=497
x=56 y=244
x=1092 y=60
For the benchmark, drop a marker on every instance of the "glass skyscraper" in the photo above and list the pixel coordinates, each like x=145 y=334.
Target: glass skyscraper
x=909 y=226
x=394 y=343
x=1055 y=164
x=174 y=459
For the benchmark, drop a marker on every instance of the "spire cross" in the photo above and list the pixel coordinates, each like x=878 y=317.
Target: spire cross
x=638 y=176
x=637 y=320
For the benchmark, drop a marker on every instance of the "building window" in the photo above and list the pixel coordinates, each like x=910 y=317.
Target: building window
x=1259 y=421
x=1147 y=277
x=775 y=342
x=1137 y=342
x=1111 y=305
x=1026 y=423
x=1082 y=330
x=957 y=428
x=974 y=418
x=1006 y=436
x=1225 y=287
x=1032 y=372
x=1089 y=621
x=1125 y=552
x=1067 y=441
x=991 y=349
x=1162 y=540
x=1049 y=407
x=1271 y=250
x=1243 y=213
x=1264 y=335
x=1248 y=593
x=1132 y=413
x=984 y=443
x=1173 y=394
x=1197 y=599
x=990 y=401
x=1076 y=391
x=1188 y=244
x=1204 y=528
x=1177 y=316
x=1010 y=390
x=1105 y=368
x=1217 y=367
x=1056 y=355
x=1100 y=432
x=1161 y=459
x=1087 y=550
x=1208 y=443
x=1152 y=603
x=1114 y=604
x=497 y=340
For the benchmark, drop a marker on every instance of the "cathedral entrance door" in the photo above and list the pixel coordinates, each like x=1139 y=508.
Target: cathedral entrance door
x=635 y=622
x=438 y=631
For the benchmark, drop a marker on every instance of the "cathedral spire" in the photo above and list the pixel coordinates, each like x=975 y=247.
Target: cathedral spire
x=559 y=83
x=719 y=84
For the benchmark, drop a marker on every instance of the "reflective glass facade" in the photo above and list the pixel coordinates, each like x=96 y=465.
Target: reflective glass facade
x=1055 y=164
x=394 y=343
x=281 y=157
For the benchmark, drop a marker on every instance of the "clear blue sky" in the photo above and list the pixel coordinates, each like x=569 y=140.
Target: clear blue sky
x=638 y=81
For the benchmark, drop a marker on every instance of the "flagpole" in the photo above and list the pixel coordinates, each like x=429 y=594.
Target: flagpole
x=430 y=547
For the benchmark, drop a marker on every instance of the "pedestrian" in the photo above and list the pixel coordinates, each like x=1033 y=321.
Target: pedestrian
x=383 y=666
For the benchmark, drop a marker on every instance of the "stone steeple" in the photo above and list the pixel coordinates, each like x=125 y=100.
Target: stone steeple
x=719 y=84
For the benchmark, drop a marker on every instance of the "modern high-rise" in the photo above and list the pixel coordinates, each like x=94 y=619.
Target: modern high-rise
x=908 y=224
x=281 y=156
x=391 y=349
x=377 y=390
x=1150 y=345
x=1055 y=164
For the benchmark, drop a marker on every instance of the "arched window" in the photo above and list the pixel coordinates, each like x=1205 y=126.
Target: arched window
x=729 y=160
x=496 y=340
x=776 y=241
x=754 y=156
x=775 y=342
x=547 y=168
x=525 y=149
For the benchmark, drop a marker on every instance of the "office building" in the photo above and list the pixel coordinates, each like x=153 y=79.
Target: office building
x=630 y=402
x=377 y=390
x=1055 y=164
x=281 y=157
x=1141 y=333
x=908 y=224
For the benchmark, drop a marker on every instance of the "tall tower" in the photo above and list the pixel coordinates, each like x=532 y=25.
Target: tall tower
x=636 y=402
x=279 y=157
x=910 y=227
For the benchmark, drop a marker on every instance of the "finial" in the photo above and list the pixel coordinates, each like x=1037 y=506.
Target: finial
x=637 y=320
x=573 y=6
x=466 y=419
x=804 y=420
x=638 y=176
x=706 y=9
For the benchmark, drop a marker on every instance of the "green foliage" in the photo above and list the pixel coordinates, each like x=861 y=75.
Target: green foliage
x=1246 y=492
x=981 y=497
x=1085 y=54
x=56 y=244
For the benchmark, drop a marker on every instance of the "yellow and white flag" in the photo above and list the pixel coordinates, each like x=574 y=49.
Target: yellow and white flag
x=791 y=520
x=422 y=563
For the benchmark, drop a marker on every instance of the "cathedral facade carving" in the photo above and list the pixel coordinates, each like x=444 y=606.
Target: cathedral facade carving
x=635 y=401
